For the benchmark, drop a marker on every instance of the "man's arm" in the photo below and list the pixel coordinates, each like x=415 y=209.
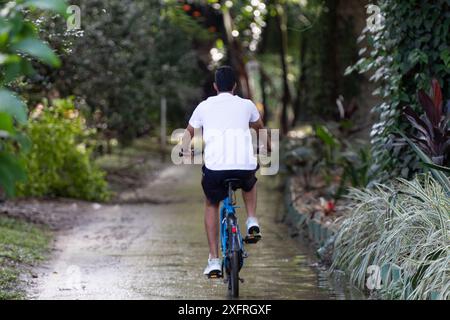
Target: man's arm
x=186 y=140
x=259 y=125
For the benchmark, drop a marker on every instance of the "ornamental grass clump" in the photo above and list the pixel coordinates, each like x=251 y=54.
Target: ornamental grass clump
x=405 y=225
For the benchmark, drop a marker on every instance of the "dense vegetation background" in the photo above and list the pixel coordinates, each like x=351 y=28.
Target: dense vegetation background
x=357 y=104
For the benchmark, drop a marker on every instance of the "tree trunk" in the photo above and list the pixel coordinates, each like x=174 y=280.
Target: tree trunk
x=263 y=85
x=280 y=19
x=301 y=82
x=333 y=52
x=235 y=55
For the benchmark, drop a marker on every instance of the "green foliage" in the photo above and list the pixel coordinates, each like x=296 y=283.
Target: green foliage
x=127 y=55
x=58 y=6
x=187 y=24
x=406 y=224
x=326 y=136
x=355 y=166
x=331 y=146
x=12 y=109
x=19 y=43
x=410 y=48
x=37 y=49
x=11 y=171
x=351 y=159
x=59 y=163
x=437 y=171
x=323 y=152
x=303 y=156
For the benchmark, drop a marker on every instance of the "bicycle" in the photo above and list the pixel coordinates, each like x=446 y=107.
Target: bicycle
x=232 y=243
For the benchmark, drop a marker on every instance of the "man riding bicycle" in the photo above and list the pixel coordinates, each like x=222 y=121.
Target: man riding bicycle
x=226 y=120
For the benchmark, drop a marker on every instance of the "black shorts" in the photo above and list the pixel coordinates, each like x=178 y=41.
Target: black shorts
x=213 y=182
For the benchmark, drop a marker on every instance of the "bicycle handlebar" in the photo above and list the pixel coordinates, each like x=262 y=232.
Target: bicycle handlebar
x=192 y=153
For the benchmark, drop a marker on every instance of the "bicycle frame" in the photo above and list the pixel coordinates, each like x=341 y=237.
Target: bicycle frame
x=229 y=220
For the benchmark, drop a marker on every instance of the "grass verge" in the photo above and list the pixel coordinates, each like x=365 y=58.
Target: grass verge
x=22 y=245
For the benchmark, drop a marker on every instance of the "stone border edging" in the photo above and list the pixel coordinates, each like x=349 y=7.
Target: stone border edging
x=317 y=232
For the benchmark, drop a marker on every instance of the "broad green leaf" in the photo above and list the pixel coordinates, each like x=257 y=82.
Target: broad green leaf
x=11 y=172
x=5 y=27
x=13 y=106
x=14 y=70
x=6 y=122
x=26 y=68
x=16 y=66
x=58 y=6
x=24 y=142
x=437 y=167
x=11 y=66
x=326 y=136
x=11 y=72
x=445 y=56
x=439 y=175
x=39 y=50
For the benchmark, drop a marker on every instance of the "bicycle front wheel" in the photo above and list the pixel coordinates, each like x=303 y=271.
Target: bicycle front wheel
x=234 y=274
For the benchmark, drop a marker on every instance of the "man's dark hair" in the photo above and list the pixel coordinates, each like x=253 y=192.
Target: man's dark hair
x=225 y=79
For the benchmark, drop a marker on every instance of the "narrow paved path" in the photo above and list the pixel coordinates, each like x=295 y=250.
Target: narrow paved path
x=158 y=251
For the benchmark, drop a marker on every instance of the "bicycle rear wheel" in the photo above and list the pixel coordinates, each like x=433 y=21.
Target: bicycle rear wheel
x=234 y=274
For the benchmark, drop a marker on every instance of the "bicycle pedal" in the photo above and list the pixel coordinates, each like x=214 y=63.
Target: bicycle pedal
x=215 y=275
x=252 y=238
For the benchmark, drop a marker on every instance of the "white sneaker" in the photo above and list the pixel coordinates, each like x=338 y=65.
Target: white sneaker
x=253 y=228
x=214 y=268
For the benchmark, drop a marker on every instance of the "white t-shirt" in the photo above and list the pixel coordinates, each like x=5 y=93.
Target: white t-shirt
x=225 y=120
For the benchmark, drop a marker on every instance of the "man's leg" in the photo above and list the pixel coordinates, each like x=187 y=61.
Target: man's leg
x=250 y=201
x=253 y=229
x=212 y=227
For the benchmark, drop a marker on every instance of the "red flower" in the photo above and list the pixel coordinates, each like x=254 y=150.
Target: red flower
x=328 y=207
x=331 y=207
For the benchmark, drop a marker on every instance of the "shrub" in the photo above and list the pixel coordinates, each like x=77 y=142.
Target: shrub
x=59 y=162
x=406 y=224
x=433 y=130
x=19 y=42
x=409 y=49
x=322 y=152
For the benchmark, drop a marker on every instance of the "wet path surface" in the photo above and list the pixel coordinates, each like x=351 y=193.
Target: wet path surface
x=158 y=251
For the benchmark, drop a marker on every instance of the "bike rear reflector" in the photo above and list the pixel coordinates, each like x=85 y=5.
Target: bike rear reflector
x=233 y=229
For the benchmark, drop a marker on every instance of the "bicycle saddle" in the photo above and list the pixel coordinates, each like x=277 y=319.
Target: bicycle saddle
x=235 y=183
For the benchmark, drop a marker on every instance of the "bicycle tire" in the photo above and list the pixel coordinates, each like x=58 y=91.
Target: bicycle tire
x=234 y=274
